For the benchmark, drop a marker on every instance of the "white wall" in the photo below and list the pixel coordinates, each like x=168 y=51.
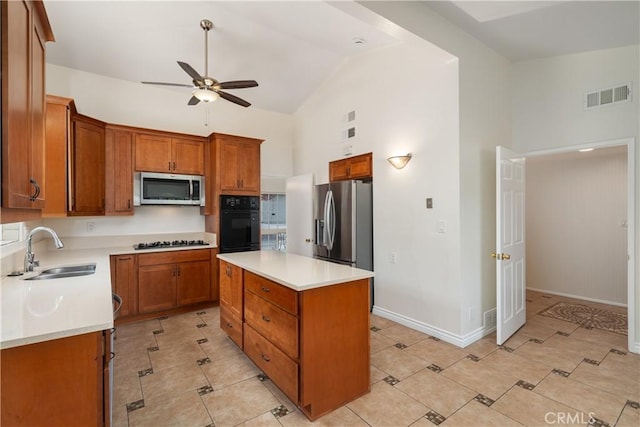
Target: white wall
x=548 y=111
x=576 y=238
x=484 y=123
x=134 y=104
x=405 y=99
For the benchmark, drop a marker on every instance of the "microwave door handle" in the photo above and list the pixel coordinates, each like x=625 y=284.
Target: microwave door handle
x=190 y=189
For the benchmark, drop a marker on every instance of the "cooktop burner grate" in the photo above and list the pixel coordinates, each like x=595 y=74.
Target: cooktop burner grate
x=169 y=244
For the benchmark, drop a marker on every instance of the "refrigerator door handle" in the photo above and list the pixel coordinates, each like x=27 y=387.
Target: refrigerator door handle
x=331 y=216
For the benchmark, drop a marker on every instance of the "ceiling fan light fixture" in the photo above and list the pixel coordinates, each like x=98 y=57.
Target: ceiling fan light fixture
x=205 y=95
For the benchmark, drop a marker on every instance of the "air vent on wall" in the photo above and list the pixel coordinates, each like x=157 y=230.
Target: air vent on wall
x=608 y=96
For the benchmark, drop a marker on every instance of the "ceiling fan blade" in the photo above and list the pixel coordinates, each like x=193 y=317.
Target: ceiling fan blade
x=167 y=84
x=238 y=84
x=193 y=101
x=233 y=98
x=189 y=70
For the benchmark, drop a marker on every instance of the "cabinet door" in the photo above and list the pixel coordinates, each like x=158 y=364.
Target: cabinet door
x=231 y=288
x=194 y=282
x=37 y=112
x=153 y=153
x=124 y=281
x=57 y=139
x=119 y=173
x=338 y=170
x=187 y=156
x=87 y=169
x=229 y=152
x=249 y=167
x=156 y=287
x=360 y=167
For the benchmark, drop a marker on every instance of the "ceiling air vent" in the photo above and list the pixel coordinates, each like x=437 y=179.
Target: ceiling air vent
x=608 y=96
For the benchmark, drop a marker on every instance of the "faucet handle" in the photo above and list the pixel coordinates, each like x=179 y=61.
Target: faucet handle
x=36 y=262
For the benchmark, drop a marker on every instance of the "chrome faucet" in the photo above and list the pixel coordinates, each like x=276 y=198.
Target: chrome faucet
x=30 y=260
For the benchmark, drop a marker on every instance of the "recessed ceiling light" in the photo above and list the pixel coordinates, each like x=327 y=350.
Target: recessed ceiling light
x=585 y=150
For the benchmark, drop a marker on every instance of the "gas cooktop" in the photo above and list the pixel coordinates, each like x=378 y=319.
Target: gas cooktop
x=171 y=244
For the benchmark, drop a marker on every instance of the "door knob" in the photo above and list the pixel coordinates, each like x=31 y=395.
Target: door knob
x=500 y=256
x=506 y=256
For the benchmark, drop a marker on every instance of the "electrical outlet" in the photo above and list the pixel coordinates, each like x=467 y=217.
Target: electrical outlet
x=90 y=226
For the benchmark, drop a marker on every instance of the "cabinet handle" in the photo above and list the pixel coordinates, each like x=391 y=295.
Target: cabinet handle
x=36 y=190
x=113 y=355
x=265 y=289
x=124 y=258
x=178 y=271
x=129 y=204
x=242 y=183
x=266 y=318
x=169 y=166
x=229 y=325
x=174 y=166
x=265 y=358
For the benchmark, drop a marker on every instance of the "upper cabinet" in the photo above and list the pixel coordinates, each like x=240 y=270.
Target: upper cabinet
x=356 y=167
x=159 y=153
x=25 y=30
x=118 y=171
x=86 y=165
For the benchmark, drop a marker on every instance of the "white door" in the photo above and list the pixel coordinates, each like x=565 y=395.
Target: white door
x=510 y=243
x=299 y=190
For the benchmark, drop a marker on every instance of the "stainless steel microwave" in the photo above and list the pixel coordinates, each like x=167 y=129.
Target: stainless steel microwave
x=151 y=188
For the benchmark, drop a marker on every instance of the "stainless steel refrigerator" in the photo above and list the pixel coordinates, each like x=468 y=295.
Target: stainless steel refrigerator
x=344 y=223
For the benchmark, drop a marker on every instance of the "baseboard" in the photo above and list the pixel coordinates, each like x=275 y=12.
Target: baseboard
x=447 y=336
x=601 y=301
x=635 y=348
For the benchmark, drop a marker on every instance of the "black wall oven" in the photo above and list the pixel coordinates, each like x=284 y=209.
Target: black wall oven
x=239 y=223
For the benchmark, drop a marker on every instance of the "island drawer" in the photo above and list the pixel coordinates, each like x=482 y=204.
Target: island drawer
x=232 y=326
x=281 y=369
x=281 y=296
x=275 y=324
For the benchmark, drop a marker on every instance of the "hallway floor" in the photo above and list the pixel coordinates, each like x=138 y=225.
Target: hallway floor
x=183 y=371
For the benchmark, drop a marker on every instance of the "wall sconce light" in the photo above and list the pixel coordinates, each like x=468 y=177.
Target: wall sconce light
x=399 y=162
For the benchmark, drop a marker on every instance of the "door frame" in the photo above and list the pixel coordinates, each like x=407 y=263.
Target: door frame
x=632 y=292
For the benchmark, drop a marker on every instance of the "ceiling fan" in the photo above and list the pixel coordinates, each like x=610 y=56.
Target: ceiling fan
x=208 y=89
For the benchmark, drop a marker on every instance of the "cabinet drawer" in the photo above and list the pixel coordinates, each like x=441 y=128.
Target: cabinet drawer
x=232 y=326
x=173 y=257
x=282 y=370
x=275 y=324
x=281 y=296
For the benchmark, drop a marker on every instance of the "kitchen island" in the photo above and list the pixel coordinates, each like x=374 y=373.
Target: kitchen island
x=303 y=321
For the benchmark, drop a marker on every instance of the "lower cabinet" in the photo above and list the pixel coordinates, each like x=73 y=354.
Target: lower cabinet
x=62 y=382
x=313 y=344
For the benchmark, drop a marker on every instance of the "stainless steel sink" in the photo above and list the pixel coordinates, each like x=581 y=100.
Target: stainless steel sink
x=65 y=271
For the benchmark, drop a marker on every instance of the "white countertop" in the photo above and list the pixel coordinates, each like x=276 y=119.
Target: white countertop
x=295 y=271
x=33 y=311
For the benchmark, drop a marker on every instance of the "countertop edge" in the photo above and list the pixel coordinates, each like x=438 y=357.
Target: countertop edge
x=55 y=335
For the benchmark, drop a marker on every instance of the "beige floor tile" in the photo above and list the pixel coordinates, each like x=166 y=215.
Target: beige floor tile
x=397 y=362
x=483 y=346
x=532 y=409
x=380 y=322
x=341 y=417
x=221 y=348
x=132 y=362
x=265 y=420
x=282 y=398
x=438 y=353
x=239 y=402
x=516 y=366
x=175 y=380
x=538 y=330
x=387 y=406
x=126 y=388
x=137 y=329
x=377 y=374
x=228 y=371
x=485 y=379
x=403 y=334
x=178 y=337
x=602 y=338
x=604 y=406
x=180 y=321
x=555 y=324
x=630 y=417
x=613 y=378
x=476 y=414
x=379 y=342
x=177 y=410
x=170 y=356
x=557 y=352
x=517 y=339
x=630 y=361
x=119 y=416
x=436 y=392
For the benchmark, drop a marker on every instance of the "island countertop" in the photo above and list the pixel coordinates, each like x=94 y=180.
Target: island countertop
x=295 y=271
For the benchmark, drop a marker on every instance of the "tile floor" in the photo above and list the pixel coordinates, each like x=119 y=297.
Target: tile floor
x=183 y=371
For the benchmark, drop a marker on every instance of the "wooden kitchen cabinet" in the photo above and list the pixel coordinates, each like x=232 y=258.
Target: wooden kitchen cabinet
x=231 y=301
x=25 y=30
x=356 y=167
x=61 y=382
x=168 y=154
x=86 y=167
x=172 y=279
x=58 y=136
x=118 y=171
x=124 y=282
